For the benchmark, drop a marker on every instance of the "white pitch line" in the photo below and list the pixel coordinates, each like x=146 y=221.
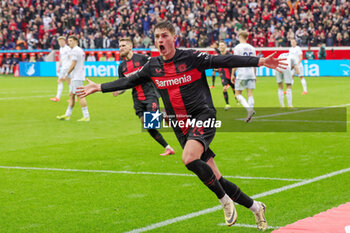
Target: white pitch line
x=308 y=121
x=33 y=91
x=141 y=173
x=294 y=112
x=25 y=97
x=218 y=207
x=247 y=226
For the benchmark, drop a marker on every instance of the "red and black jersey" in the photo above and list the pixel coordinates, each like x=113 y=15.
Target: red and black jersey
x=225 y=73
x=128 y=67
x=181 y=81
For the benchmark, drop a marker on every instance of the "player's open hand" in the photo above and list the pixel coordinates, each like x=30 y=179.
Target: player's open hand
x=88 y=89
x=273 y=63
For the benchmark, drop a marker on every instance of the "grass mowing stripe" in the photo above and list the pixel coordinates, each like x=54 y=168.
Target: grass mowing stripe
x=141 y=173
x=25 y=97
x=299 y=111
x=215 y=208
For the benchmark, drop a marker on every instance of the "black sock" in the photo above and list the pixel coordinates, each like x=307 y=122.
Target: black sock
x=235 y=193
x=207 y=176
x=226 y=97
x=157 y=136
x=213 y=80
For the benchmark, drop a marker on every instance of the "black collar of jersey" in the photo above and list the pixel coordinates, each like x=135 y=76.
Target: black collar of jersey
x=177 y=51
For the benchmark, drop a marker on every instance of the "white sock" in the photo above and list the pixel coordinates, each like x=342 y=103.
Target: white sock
x=289 y=97
x=255 y=207
x=225 y=199
x=59 y=90
x=251 y=101
x=85 y=112
x=281 y=97
x=69 y=111
x=303 y=83
x=244 y=103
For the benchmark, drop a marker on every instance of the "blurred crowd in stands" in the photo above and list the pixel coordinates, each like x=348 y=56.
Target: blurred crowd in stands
x=36 y=24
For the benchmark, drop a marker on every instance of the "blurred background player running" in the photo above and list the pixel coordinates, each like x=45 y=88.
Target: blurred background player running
x=63 y=67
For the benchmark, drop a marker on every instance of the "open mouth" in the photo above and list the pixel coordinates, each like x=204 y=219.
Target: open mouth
x=161 y=48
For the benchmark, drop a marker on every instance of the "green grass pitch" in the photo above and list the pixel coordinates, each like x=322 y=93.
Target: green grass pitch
x=75 y=201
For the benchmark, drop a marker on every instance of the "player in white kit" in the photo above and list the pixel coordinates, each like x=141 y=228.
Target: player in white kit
x=287 y=76
x=63 y=67
x=77 y=74
x=296 y=51
x=246 y=77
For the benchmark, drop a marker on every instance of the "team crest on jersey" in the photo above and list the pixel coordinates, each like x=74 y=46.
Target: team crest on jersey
x=137 y=64
x=182 y=67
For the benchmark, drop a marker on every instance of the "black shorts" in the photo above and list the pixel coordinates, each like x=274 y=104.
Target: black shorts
x=203 y=135
x=226 y=82
x=148 y=105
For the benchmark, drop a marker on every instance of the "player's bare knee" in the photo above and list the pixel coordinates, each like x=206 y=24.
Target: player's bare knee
x=188 y=157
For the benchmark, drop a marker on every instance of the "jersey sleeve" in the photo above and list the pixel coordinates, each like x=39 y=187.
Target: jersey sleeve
x=205 y=61
x=120 y=72
x=140 y=77
x=299 y=51
x=74 y=55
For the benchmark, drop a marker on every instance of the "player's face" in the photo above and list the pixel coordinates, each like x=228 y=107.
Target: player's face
x=125 y=48
x=293 y=43
x=72 y=43
x=61 y=42
x=165 y=42
x=222 y=48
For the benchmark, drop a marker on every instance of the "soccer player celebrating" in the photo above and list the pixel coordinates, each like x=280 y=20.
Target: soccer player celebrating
x=246 y=76
x=287 y=76
x=180 y=78
x=225 y=74
x=296 y=51
x=63 y=67
x=144 y=95
x=77 y=74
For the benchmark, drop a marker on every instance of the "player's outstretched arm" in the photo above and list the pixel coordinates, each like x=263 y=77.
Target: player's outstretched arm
x=140 y=77
x=88 y=89
x=273 y=63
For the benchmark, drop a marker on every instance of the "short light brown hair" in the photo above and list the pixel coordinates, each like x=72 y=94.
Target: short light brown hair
x=61 y=38
x=243 y=34
x=126 y=39
x=165 y=25
x=73 y=37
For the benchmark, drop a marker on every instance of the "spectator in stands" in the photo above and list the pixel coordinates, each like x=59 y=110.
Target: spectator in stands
x=103 y=57
x=40 y=57
x=329 y=39
x=106 y=42
x=346 y=39
x=91 y=57
x=32 y=57
x=322 y=52
x=111 y=57
x=40 y=21
x=6 y=64
x=309 y=54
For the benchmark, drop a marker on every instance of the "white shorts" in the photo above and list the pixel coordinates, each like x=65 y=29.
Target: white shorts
x=241 y=84
x=286 y=76
x=301 y=70
x=74 y=84
x=63 y=72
